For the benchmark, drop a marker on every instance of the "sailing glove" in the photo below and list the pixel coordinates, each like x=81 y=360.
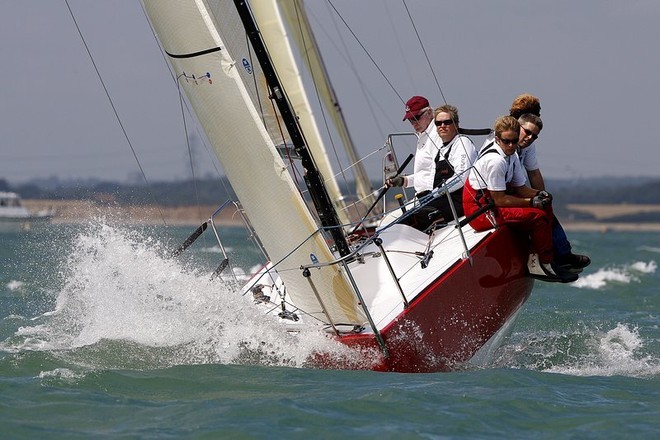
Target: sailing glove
x=545 y=195
x=397 y=181
x=541 y=200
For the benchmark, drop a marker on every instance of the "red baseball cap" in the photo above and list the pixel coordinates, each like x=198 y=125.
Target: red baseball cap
x=414 y=106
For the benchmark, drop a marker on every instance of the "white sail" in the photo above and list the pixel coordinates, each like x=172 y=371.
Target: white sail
x=206 y=46
x=276 y=36
x=293 y=13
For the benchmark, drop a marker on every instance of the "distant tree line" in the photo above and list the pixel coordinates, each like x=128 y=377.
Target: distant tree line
x=643 y=193
x=218 y=190
x=202 y=192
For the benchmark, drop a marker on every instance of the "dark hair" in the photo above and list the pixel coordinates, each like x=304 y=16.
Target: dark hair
x=528 y=117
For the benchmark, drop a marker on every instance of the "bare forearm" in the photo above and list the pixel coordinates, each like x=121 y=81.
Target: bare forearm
x=536 y=180
x=516 y=200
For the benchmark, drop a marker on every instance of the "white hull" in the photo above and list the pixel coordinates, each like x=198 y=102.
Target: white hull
x=14 y=217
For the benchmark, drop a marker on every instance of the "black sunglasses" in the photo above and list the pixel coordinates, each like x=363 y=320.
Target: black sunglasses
x=418 y=117
x=445 y=122
x=508 y=141
x=530 y=133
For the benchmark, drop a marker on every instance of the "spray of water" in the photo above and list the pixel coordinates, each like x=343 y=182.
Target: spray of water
x=126 y=304
x=581 y=352
x=588 y=349
x=618 y=351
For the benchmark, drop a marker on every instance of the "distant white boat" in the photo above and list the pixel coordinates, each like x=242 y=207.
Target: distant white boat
x=14 y=217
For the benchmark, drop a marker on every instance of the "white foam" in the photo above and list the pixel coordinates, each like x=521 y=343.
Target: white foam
x=617 y=352
x=120 y=286
x=215 y=249
x=15 y=285
x=61 y=373
x=622 y=275
x=601 y=278
x=643 y=267
x=649 y=249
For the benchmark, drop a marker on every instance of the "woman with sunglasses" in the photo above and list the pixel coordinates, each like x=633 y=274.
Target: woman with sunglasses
x=453 y=158
x=498 y=178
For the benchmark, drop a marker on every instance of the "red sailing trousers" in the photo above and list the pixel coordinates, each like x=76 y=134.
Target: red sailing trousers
x=536 y=222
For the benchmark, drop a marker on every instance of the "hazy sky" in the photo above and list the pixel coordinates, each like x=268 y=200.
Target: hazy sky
x=594 y=64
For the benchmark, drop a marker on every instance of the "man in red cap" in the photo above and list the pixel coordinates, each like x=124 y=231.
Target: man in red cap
x=420 y=114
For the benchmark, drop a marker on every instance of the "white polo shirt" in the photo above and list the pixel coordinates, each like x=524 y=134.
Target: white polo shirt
x=494 y=170
x=428 y=144
x=461 y=157
x=528 y=158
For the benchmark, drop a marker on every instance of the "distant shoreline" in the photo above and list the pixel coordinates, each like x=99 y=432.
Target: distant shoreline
x=82 y=211
x=607 y=226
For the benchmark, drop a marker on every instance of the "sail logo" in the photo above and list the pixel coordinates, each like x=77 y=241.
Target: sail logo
x=196 y=79
x=247 y=66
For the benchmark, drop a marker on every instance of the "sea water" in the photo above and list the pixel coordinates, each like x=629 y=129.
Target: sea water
x=104 y=334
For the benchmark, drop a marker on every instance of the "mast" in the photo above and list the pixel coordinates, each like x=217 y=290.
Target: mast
x=313 y=179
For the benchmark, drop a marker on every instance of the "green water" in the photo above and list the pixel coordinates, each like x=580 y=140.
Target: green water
x=103 y=335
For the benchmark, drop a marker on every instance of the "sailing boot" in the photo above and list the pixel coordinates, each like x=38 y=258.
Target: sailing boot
x=548 y=272
x=572 y=262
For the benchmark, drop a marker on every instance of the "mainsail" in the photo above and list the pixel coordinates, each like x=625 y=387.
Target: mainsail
x=207 y=48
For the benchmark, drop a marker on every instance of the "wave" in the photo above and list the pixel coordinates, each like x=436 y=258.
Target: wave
x=14 y=285
x=617 y=352
x=125 y=303
x=615 y=275
x=649 y=249
x=585 y=352
x=215 y=249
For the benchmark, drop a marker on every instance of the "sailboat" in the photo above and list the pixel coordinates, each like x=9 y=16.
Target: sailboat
x=406 y=300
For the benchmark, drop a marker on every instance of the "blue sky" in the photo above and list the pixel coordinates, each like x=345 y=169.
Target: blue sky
x=593 y=64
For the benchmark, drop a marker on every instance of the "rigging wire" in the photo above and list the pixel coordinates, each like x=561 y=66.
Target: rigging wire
x=366 y=52
x=421 y=44
x=189 y=146
x=316 y=90
x=428 y=61
x=398 y=40
x=322 y=108
x=114 y=109
x=294 y=171
x=343 y=53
